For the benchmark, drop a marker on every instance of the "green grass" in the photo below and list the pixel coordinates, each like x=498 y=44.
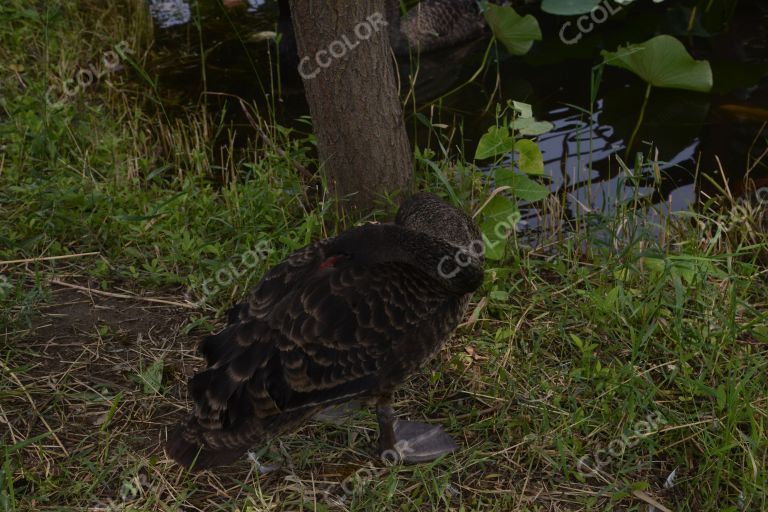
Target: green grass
x=568 y=345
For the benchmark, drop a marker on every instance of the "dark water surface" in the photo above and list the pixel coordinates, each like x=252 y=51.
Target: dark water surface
x=206 y=51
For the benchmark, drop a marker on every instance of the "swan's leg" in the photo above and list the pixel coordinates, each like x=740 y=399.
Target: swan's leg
x=386 y=418
x=410 y=441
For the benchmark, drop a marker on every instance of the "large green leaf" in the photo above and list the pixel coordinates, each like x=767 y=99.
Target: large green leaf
x=496 y=141
x=517 y=33
x=522 y=186
x=568 y=7
x=663 y=62
x=500 y=217
x=524 y=122
x=524 y=110
x=530 y=161
x=530 y=126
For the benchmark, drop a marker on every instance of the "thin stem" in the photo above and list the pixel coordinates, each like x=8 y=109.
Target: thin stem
x=469 y=81
x=639 y=122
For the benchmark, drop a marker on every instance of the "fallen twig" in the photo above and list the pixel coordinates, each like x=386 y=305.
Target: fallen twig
x=48 y=258
x=123 y=295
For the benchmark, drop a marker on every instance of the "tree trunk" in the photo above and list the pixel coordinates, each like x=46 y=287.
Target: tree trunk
x=345 y=63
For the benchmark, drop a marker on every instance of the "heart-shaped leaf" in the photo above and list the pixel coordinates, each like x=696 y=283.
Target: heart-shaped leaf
x=530 y=161
x=530 y=126
x=517 y=33
x=663 y=62
x=522 y=186
x=496 y=141
x=524 y=110
x=500 y=217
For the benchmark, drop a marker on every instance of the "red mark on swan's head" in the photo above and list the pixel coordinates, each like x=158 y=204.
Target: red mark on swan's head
x=331 y=261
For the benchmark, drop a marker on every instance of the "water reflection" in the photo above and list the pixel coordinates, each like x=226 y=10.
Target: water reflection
x=253 y=5
x=682 y=132
x=169 y=13
x=578 y=155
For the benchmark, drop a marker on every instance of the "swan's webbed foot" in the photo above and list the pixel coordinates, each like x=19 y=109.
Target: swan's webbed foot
x=410 y=442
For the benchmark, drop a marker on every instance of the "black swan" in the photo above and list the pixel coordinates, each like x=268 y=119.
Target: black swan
x=429 y=26
x=349 y=317
x=434 y=24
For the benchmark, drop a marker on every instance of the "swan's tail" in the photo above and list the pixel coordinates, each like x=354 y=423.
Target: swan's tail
x=184 y=447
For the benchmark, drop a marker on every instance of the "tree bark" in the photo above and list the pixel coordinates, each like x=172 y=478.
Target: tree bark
x=349 y=80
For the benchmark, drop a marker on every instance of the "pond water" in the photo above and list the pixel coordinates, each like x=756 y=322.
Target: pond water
x=686 y=133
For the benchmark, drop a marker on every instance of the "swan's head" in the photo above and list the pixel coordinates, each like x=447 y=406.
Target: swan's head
x=429 y=214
